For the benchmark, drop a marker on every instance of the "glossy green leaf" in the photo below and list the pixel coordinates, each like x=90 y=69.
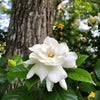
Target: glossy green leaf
x=2 y=61
x=21 y=93
x=87 y=87
x=97 y=68
x=3 y=82
x=3 y=76
x=18 y=71
x=60 y=94
x=3 y=88
x=79 y=75
x=95 y=79
x=25 y=58
x=31 y=82
x=17 y=59
x=81 y=59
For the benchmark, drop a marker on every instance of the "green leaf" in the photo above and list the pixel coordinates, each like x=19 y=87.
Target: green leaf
x=31 y=82
x=81 y=59
x=17 y=59
x=89 y=98
x=2 y=61
x=97 y=69
x=21 y=93
x=87 y=87
x=18 y=71
x=79 y=75
x=25 y=58
x=3 y=76
x=60 y=94
x=95 y=79
x=97 y=95
x=3 y=88
x=3 y=82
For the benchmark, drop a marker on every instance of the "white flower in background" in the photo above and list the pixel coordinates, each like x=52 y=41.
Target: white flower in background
x=62 y=4
x=91 y=20
x=0 y=55
x=54 y=27
x=94 y=20
x=97 y=18
x=97 y=34
x=83 y=26
x=49 y=59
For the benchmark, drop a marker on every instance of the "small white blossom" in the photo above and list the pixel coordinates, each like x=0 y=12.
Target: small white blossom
x=83 y=26
x=49 y=59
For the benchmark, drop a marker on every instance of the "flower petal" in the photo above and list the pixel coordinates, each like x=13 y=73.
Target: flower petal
x=35 y=47
x=63 y=84
x=49 y=84
x=56 y=73
x=70 y=60
x=40 y=70
x=51 y=41
x=35 y=56
x=44 y=47
x=62 y=48
x=38 y=55
x=28 y=62
x=56 y=61
x=30 y=73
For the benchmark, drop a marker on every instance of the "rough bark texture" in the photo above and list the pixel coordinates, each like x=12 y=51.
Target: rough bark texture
x=31 y=21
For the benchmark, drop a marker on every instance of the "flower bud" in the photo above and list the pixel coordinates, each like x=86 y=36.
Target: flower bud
x=11 y=63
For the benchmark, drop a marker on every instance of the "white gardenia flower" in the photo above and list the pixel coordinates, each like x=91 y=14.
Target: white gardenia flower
x=49 y=59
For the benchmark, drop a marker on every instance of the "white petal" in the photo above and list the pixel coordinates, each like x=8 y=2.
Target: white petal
x=56 y=61
x=41 y=54
x=51 y=41
x=70 y=60
x=38 y=58
x=38 y=55
x=56 y=73
x=30 y=73
x=44 y=47
x=41 y=71
x=49 y=85
x=28 y=62
x=35 y=47
x=62 y=48
x=34 y=56
x=63 y=84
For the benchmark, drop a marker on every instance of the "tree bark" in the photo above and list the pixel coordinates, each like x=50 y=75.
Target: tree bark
x=31 y=21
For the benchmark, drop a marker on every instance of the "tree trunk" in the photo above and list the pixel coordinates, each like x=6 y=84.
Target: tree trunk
x=31 y=21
